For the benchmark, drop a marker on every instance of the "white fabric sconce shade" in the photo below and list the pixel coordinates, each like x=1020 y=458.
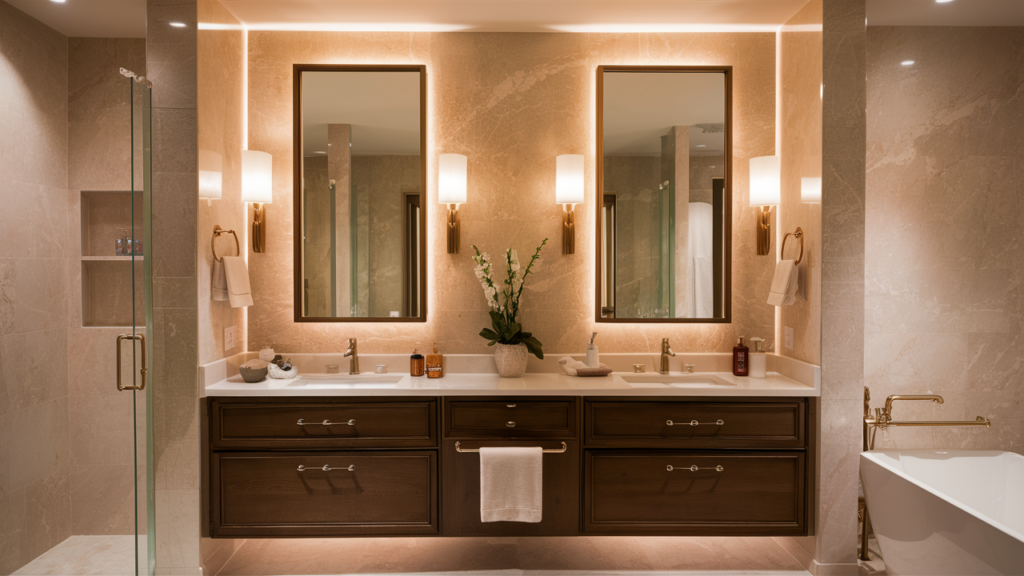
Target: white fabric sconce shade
x=451 y=179
x=569 y=179
x=257 y=176
x=211 y=176
x=810 y=189
x=765 y=187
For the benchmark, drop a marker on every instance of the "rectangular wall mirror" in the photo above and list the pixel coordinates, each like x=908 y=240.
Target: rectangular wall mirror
x=359 y=193
x=664 y=148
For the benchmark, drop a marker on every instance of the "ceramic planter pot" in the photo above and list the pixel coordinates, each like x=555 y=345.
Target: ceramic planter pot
x=511 y=359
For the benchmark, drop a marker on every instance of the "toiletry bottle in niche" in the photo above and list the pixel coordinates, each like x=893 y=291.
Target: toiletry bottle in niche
x=416 y=363
x=435 y=364
x=123 y=245
x=740 y=359
x=758 y=359
x=593 y=357
x=119 y=247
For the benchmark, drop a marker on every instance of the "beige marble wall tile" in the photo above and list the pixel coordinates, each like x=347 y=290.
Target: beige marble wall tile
x=99 y=111
x=103 y=499
x=484 y=92
x=38 y=442
x=801 y=141
x=943 y=292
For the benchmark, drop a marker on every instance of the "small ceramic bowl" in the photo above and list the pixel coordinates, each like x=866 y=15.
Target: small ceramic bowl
x=253 y=371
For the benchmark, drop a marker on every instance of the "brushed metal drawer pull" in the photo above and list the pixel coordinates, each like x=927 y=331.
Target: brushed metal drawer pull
x=695 y=468
x=695 y=423
x=510 y=405
x=327 y=468
x=302 y=422
x=510 y=424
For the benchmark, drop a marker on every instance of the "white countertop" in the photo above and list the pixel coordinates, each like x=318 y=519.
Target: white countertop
x=539 y=384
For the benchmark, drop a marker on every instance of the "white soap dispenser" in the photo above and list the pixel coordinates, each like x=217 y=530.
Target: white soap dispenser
x=593 y=358
x=758 y=359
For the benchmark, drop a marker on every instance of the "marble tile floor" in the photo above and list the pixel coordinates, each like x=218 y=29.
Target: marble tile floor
x=88 y=556
x=598 y=556
x=513 y=556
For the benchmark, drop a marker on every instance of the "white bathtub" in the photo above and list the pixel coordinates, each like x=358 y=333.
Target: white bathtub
x=946 y=512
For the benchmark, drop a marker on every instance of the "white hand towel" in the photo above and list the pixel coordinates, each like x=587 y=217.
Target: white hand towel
x=511 y=484
x=220 y=282
x=570 y=365
x=784 y=284
x=237 y=275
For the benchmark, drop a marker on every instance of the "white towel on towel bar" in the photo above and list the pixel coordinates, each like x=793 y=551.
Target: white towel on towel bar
x=784 y=284
x=511 y=484
x=220 y=282
x=239 y=293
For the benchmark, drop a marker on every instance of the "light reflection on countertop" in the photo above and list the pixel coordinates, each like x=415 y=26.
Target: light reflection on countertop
x=541 y=384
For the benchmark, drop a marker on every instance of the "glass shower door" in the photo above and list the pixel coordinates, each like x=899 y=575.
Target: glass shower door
x=135 y=344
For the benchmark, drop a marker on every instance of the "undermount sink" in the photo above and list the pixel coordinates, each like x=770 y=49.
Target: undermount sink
x=675 y=381
x=348 y=382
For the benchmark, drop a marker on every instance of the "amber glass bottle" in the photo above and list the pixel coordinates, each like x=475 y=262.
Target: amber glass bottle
x=740 y=359
x=435 y=364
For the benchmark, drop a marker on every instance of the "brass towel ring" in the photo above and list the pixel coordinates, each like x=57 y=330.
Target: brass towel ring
x=799 y=234
x=217 y=231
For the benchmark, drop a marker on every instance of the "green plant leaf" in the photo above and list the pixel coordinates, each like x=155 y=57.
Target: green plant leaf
x=534 y=346
x=489 y=334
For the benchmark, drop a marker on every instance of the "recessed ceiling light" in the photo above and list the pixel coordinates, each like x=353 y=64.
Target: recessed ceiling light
x=907 y=63
x=58 y=1
x=319 y=152
x=943 y=1
x=178 y=24
x=702 y=146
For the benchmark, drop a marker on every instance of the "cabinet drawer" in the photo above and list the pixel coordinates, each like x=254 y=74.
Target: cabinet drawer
x=351 y=424
x=266 y=494
x=512 y=418
x=753 y=493
x=669 y=424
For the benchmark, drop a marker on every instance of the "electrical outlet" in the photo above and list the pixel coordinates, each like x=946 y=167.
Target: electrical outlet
x=229 y=338
x=789 y=338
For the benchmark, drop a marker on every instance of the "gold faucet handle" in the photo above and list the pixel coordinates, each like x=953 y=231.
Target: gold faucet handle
x=888 y=401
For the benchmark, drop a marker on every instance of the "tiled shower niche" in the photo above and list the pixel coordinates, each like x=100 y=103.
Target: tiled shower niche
x=107 y=287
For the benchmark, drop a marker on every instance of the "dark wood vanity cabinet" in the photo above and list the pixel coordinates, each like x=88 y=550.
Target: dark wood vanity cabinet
x=394 y=466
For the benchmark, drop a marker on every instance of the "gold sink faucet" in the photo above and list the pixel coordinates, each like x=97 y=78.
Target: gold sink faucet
x=666 y=351
x=353 y=351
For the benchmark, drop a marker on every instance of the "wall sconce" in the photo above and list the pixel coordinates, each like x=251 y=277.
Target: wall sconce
x=258 y=188
x=765 y=192
x=451 y=190
x=568 y=193
x=810 y=189
x=211 y=176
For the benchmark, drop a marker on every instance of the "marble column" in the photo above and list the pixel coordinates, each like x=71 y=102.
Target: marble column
x=842 y=288
x=171 y=66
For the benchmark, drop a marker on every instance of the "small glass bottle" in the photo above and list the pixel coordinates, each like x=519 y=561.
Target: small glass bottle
x=119 y=248
x=416 y=364
x=137 y=246
x=740 y=359
x=435 y=364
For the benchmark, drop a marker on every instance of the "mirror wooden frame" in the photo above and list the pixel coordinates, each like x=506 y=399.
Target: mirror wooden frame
x=727 y=228
x=297 y=70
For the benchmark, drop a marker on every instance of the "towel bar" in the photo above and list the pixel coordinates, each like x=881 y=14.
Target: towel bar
x=459 y=448
x=799 y=235
x=217 y=231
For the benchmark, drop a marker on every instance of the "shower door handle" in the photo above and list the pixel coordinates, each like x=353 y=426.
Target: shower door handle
x=142 y=371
